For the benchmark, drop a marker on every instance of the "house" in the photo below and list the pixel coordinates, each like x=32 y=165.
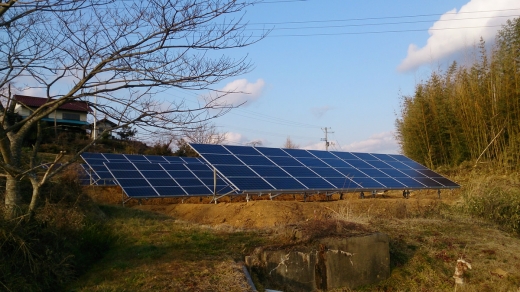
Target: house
x=70 y=117
x=102 y=125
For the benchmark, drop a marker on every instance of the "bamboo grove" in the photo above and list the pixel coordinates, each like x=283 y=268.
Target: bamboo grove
x=468 y=113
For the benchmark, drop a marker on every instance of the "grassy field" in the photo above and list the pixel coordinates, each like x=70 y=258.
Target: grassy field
x=160 y=252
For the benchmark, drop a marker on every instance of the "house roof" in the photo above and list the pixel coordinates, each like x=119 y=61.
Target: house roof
x=32 y=101
x=107 y=121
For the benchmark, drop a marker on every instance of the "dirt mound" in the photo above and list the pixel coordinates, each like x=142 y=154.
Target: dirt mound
x=261 y=214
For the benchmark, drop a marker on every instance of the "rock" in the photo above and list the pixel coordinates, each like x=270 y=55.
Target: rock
x=327 y=263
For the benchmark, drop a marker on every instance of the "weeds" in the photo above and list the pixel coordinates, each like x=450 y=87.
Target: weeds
x=494 y=198
x=58 y=245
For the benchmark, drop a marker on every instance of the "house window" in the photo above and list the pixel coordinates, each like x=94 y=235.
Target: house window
x=71 y=116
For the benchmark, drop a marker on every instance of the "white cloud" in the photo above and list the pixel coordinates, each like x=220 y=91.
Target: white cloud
x=378 y=143
x=445 y=42
x=318 y=112
x=242 y=91
x=233 y=138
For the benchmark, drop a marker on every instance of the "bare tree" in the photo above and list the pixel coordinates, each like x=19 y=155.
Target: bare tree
x=126 y=53
x=204 y=133
x=289 y=144
x=255 y=143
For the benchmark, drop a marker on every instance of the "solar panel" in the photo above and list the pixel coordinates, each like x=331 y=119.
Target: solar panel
x=262 y=169
x=98 y=174
x=142 y=180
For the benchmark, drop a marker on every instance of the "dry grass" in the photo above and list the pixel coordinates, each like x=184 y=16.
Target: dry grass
x=156 y=253
x=428 y=235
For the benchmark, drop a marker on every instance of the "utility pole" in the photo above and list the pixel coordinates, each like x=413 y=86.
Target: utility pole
x=326 y=139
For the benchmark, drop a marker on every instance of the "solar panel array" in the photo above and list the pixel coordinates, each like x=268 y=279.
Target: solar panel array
x=146 y=176
x=148 y=180
x=261 y=169
x=98 y=174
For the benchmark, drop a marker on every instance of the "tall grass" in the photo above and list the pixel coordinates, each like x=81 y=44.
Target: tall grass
x=495 y=198
x=62 y=241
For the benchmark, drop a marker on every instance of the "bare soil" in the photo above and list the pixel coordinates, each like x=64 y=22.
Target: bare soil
x=263 y=213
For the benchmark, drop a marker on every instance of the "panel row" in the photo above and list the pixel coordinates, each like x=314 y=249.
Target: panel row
x=277 y=169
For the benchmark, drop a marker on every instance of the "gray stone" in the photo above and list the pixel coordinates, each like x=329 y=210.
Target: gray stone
x=324 y=264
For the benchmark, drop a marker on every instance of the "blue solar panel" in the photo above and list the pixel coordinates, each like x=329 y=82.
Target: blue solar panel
x=120 y=166
x=409 y=182
x=135 y=158
x=359 y=164
x=126 y=174
x=323 y=154
x=155 y=174
x=270 y=152
x=236 y=171
x=210 y=149
x=367 y=183
x=180 y=174
x=251 y=183
x=392 y=172
x=198 y=190
x=390 y=182
x=255 y=160
x=315 y=183
x=299 y=153
x=285 y=183
x=156 y=159
x=196 y=166
x=344 y=155
x=285 y=161
x=114 y=157
x=342 y=183
x=397 y=164
x=327 y=172
x=148 y=166
x=239 y=150
x=445 y=182
x=140 y=192
x=162 y=182
x=372 y=172
x=270 y=171
x=351 y=172
x=132 y=182
x=299 y=171
x=170 y=191
x=383 y=157
x=336 y=162
x=176 y=159
x=364 y=156
x=222 y=159
x=310 y=162
x=138 y=179
x=378 y=164
x=174 y=166
x=288 y=169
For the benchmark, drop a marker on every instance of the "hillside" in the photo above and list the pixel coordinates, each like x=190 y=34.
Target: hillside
x=427 y=234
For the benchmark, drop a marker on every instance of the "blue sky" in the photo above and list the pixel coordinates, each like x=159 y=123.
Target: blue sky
x=345 y=64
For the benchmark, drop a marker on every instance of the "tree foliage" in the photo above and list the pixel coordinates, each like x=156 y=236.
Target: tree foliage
x=468 y=113
x=126 y=53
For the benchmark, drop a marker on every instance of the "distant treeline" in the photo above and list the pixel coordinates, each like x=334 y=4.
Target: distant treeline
x=468 y=113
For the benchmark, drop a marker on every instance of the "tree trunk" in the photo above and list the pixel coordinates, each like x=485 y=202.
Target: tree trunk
x=12 y=198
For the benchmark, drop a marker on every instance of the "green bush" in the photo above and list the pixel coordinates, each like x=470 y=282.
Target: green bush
x=64 y=239
x=494 y=198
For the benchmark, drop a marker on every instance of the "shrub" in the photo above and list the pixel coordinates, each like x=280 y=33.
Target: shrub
x=64 y=239
x=494 y=198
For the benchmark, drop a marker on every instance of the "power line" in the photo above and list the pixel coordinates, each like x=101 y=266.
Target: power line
x=382 y=17
x=381 y=23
